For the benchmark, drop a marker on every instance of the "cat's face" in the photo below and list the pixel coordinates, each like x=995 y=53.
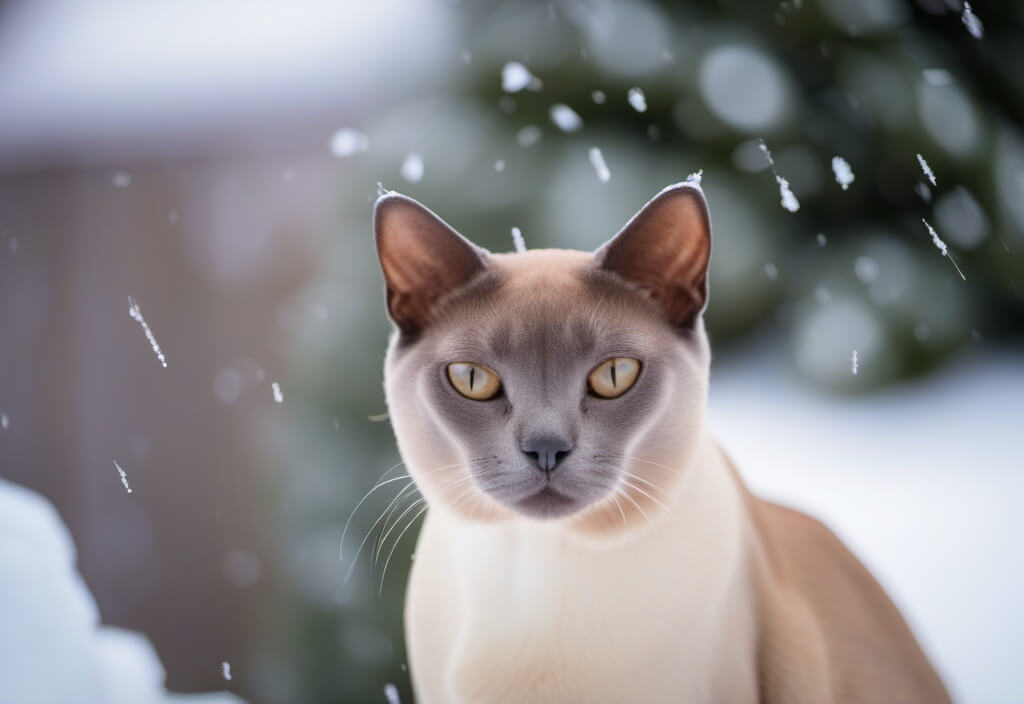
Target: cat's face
x=548 y=384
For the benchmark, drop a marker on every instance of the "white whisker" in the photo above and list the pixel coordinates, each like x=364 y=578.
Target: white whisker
x=380 y=590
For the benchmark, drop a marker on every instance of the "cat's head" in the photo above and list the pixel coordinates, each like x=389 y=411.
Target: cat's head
x=548 y=384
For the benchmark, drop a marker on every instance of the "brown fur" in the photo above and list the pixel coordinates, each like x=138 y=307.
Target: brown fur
x=827 y=632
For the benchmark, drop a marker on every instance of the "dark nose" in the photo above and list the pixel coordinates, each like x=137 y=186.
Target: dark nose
x=547 y=450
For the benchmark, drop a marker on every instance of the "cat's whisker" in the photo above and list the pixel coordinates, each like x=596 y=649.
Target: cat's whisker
x=380 y=482
x=667 y=510
x=638 y=507
x=615 y=498
x=647 y=482
x=385 y=531
x=391 y=508
x=380 y=590
x=341 y=550
x=362 y=544
x=645 y=461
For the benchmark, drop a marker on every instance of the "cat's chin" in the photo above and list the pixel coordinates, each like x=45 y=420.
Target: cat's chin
x=548 y=503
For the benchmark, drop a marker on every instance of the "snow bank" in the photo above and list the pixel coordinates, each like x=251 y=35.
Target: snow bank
x=52 y=646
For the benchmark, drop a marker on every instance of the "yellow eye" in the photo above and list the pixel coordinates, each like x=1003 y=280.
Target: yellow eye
x=613 y=377
x=474 y=381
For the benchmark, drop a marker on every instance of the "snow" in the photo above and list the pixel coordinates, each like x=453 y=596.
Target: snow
x=942 y=247
x=517 y=239
x=843 y=172
x=225 y=670
x=927 y=169
x=52 y=645
x=771 y=271
x=637 y=99
x=348 y=141
x=971 y=21
x=567 y=119
x=136 y=314
x=921 y=480
x=822 y=240
x=853 y=363
x=121 y=179
x=528 y=136
x=391 y=694
x=601 y=168
x=515 y=77
x=788 y=200
x=278 y=395
x=499 y=165
x=598 y=97
x=124 y=477
x=412 y=167
x=5 y=422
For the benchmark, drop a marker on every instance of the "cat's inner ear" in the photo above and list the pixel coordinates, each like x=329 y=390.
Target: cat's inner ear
x=422 y=258
x=664 y=252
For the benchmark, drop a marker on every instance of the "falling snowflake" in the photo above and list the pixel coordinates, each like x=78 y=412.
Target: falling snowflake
x=124 y=477
x=787 y=199
x=567 y=119
x=225 y=670
x=347 y=141
x=637 y=99
x=412 y=168
x=136 y=314
x=844 y=174
x=971 y=21
x=515 y=77
x=278 y=396
x=601 y=168
x=927 y=169
x=517 y=239
x=942 y=247
x=853 y=363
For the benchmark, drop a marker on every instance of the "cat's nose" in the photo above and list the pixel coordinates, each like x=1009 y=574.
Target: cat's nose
x=547 y=450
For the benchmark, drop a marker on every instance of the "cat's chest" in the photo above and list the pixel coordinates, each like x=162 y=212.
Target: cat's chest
x=530 y=619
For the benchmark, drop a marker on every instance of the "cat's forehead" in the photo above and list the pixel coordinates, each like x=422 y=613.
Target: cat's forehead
x=546 y=300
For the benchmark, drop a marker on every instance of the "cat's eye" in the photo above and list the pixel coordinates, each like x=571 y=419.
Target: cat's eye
x=613 y=377
x=473 y=380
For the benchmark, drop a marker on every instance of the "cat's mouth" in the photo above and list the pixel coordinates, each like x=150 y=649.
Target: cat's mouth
x=548 y=502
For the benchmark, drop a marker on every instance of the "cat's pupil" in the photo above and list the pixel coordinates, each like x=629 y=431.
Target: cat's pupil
x=613 y=374
x=472 y=375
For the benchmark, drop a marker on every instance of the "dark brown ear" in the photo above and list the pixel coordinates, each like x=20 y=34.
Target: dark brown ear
x=664 y=252
x=422 y=258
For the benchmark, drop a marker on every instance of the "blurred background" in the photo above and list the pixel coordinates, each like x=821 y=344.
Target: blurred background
x=218 y=162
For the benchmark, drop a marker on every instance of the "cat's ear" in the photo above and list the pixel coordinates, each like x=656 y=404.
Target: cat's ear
x=664 y=251
x=422 y=258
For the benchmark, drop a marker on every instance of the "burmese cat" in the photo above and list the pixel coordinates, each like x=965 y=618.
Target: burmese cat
x=587 y=540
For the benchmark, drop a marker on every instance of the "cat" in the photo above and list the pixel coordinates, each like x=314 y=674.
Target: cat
x=587 y=540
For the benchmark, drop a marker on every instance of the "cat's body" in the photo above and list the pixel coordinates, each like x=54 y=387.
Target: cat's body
x=587 y=544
